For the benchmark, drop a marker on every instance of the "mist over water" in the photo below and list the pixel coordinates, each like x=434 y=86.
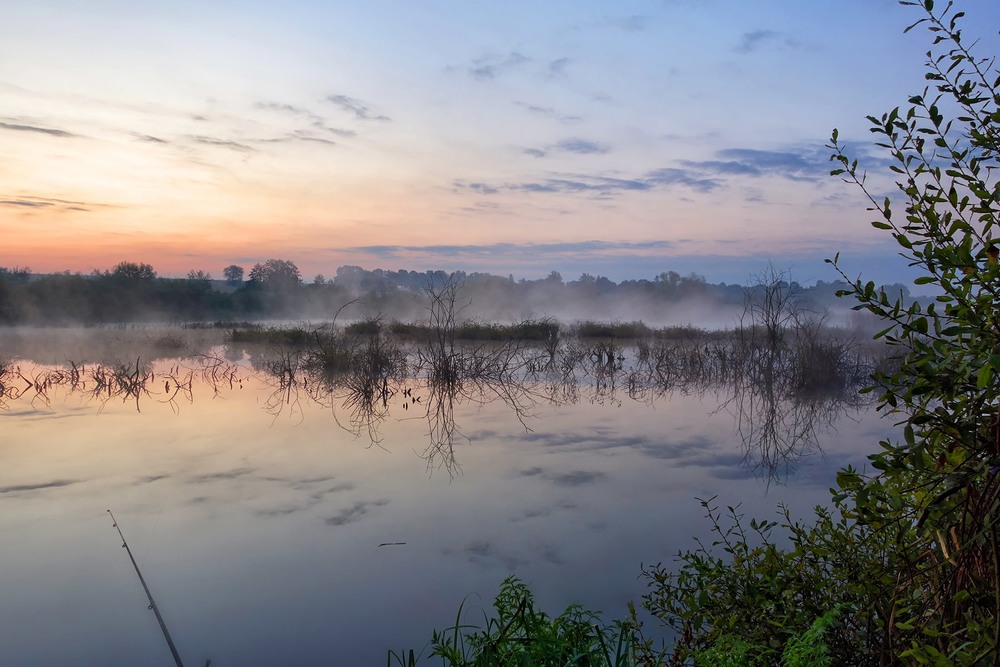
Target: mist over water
x=134 y=294
x=256 y=481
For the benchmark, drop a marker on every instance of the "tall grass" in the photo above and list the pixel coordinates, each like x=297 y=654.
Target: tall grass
x=519 y=634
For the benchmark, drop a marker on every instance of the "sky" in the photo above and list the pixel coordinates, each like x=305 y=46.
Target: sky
x=621 y=139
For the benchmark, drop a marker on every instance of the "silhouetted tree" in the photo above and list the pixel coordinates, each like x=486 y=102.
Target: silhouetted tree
x=133 y=271
x=233 y=274
x=17 y=274
x=276 y=273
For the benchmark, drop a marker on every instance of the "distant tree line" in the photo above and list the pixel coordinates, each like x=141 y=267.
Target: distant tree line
x=132 y=291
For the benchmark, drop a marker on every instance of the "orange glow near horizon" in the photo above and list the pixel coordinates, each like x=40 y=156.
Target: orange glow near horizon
x=194 y=137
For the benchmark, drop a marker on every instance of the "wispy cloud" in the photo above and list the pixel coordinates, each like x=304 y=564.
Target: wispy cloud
x=756 y=39
x=359 y=108
x=315 y=121
x=534 y=108
x=336 y=131
x=572 y=145
x=149 y=138
x=26 y=203
x=489 y=67
x=283 y=108
x=17 y=127
x=806 y=164
x=223 y=143
x=633 y=23
x=50 y=204
x=558 y=66
x=581 y=146
x=599 y=185
x=504 y=250
x=300 y=135
x=538 y=110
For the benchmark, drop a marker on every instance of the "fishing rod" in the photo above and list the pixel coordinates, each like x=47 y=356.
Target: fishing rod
x=152 y=603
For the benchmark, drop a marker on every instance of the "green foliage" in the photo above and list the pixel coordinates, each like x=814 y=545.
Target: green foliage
x=746 y=584
x=810 y=649
x=520 y=634
x=806 y=650
x=938 y=488
x=730 y=651
x=909 y=555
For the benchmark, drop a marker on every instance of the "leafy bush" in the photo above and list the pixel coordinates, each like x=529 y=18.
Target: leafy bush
x=909 y=555
x=938 y=490
x=519 y=634
x=745 y=593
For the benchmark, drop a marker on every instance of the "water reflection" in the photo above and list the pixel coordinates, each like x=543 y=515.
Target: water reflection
x=780 y=398
x=258 y=519
x=126 y=381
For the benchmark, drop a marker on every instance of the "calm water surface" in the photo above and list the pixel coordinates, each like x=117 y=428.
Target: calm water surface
x=257 y=514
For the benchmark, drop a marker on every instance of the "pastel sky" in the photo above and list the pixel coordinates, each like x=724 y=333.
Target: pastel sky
x=618 y=138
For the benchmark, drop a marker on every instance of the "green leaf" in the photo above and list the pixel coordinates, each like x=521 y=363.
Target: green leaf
x=984 y=376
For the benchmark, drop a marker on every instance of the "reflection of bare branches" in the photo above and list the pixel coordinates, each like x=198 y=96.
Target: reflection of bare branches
x=475 y=375
x=441 y=399
x=281 y=371
x=468 y=374
x=441 y=429
x=360 y=373
x=783 y=396
x=606 y=362
x=781 y=390
x=128 y=381
x=121 y=380
x=780 y=395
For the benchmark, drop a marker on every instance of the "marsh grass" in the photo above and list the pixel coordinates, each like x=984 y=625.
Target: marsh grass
x=257 y=334
x=541 y=331
x=520 y=634
x=592 y=329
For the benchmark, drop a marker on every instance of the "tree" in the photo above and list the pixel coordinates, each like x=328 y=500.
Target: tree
x=17 y=274
x=233 y=274
x=939 y=490
x=909 y=556
x=199 y=275
x=276 y=274
x=133 y=271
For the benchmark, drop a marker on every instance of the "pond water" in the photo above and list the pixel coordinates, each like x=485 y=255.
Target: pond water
x=277 y=524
